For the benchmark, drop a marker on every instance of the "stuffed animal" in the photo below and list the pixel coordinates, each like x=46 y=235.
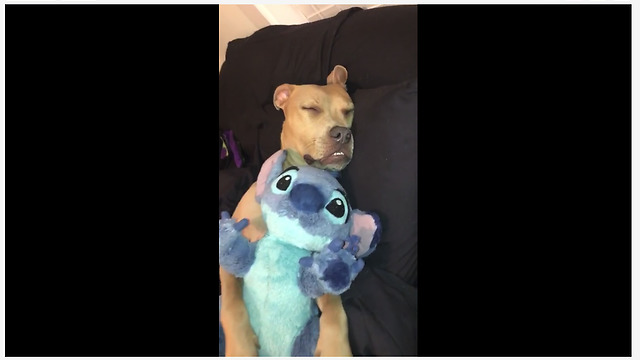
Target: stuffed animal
x=313 y=246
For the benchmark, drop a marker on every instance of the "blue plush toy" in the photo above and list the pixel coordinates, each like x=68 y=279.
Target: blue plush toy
x=314 y=246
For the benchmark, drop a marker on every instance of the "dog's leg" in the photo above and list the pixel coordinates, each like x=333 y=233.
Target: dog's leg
x=334 y=329
x=240 y=339
x=248 y=208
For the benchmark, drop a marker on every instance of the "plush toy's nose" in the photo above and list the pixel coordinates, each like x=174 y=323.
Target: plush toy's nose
x=306 y=198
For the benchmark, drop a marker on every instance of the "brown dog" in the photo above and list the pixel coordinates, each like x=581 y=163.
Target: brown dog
x=316 y=131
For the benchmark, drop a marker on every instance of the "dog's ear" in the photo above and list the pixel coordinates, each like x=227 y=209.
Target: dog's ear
x=271 y=168
x=367 y=227
x=338 y=76
x=281 y=95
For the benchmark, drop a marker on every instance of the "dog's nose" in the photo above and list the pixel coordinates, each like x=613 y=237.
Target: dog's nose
x=306 y=198
x=340 y=134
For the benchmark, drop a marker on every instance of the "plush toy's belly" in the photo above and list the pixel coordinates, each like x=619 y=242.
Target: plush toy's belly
x=277 y=308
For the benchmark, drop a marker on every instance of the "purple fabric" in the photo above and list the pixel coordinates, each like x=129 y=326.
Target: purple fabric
x=231 y=147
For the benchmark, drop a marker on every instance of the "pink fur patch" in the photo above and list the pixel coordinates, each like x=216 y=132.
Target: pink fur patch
x=365 y=227
x=263 y=176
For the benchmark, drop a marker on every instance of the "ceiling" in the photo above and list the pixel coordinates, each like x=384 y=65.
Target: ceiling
x=238 y=21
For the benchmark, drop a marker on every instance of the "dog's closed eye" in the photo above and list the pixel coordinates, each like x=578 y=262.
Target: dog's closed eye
x=311 y=109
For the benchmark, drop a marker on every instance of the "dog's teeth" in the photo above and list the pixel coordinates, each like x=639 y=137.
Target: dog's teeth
x=338 y=153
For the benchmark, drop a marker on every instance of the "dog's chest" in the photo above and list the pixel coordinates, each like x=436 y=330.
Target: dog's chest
x=277 y=308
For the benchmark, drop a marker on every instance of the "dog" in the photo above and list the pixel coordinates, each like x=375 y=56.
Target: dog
x=317 y=132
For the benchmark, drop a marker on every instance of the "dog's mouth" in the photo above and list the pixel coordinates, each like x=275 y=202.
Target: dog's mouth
x=337 y=159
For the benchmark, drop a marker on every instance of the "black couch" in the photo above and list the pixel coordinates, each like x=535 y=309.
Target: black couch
x=379 y=49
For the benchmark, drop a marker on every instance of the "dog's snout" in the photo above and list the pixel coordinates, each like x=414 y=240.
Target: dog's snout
x=306 y=198
x=340 y=134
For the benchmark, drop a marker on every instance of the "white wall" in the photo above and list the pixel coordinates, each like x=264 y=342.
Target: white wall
x=234 y=22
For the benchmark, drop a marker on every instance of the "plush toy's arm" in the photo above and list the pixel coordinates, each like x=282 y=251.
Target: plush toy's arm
x=236 y=253
x=331 y=270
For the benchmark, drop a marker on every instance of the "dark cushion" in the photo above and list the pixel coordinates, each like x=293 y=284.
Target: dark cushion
x=383 y=175
x=232 y=184
x=382 y=313
x=378 y=46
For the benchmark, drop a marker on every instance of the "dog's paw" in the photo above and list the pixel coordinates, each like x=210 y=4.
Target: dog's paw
x=235 y=251
x=331 y=270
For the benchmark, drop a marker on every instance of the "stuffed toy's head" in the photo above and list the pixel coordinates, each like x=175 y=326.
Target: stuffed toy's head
x=308 y=208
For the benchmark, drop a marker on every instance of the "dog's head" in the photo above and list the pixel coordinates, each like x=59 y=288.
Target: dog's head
x=318 y=121
x=308 y=208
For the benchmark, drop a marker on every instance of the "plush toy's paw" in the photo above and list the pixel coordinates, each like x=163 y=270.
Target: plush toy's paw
x=228 y=222
x=331 y=270
x=236 y=253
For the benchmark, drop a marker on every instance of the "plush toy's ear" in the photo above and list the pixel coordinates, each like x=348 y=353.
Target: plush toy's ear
x=271 y=168
x=367 y=227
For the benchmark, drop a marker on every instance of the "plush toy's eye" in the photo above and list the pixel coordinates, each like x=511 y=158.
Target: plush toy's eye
x=283 y=183
x=338 y=208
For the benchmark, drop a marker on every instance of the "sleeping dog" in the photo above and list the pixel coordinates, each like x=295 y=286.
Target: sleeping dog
x=317 y=132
